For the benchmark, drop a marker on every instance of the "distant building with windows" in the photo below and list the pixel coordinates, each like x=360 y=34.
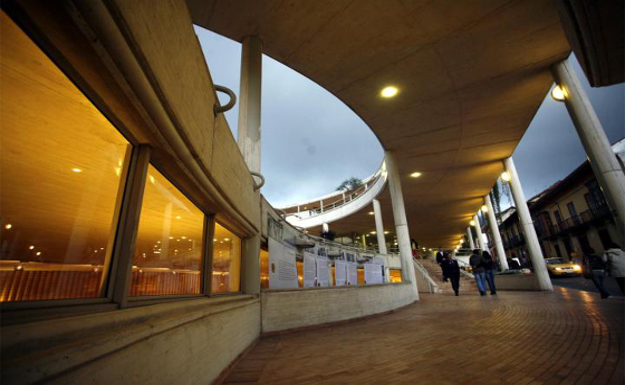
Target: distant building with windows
x=569 y=216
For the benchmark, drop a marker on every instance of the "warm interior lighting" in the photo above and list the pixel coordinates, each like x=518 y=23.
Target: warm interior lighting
x=386 y=232
x=371 y=213
x=484 y=208
x=558 y=93
x=472 y=223
x=389 y=92
x=373 y=232
x=415 y=174
x=8 y=226
x=75 y=169
x=505 y=176
x=31 y=247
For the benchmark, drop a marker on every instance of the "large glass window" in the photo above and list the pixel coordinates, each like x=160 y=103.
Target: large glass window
x=168 y=251
x=61 y=181
x=226 y=261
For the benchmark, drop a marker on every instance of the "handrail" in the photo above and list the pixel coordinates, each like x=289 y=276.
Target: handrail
x=218 y=108
x=262 y=180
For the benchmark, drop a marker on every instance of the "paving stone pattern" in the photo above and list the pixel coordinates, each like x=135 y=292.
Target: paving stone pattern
x=565 y=337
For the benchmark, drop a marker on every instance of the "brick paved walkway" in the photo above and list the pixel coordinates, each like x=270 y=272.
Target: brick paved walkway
x=569 y=337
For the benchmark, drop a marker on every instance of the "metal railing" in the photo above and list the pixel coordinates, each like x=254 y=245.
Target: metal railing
x=573 y=223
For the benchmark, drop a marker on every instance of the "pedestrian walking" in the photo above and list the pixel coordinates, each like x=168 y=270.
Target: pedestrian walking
x=489 y=267
x=440 y=257
x=452 y=271
x=614 y=259
x=478 y=271
x=595 y=267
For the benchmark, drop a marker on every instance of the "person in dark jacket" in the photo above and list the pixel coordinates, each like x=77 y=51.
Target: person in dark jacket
x=489 y=267
x=595 y=266
x=451 y=270
x=440 y=257
x=478 y=271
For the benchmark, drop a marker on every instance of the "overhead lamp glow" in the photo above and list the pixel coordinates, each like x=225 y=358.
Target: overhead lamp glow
x=558 y=93
x=389 y=92
x=505 y=176
x=472 y=223
x=371 y=213
x=76 y=170
x=8 y=226
x=373 y=232
x=484 y=208
x=415 y=175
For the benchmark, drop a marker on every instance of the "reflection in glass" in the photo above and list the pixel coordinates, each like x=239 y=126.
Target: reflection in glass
x=61 y=175
x=168 y=250
x=226 y=261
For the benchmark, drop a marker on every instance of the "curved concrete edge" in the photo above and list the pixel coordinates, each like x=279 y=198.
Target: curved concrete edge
x=345 y=210
x=296 y=309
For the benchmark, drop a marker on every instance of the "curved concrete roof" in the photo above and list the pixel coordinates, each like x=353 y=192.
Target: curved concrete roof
x=471 y=76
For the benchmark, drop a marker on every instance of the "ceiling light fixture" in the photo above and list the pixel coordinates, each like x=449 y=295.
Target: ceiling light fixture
x=389 y=92
x=415 y=175
x=505 y=176
x=472 y=223
x=484 y=208
x=76 y=169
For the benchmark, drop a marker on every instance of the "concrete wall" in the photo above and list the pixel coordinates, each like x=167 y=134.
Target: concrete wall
x=523 y=282
x=284 y=310
x=183 y=342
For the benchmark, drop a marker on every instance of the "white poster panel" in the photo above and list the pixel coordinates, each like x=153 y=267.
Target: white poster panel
x=310 y=269
x=373 y=274
x=282 y=267
x=352 y=273
x=340 y=273
x=322 y=271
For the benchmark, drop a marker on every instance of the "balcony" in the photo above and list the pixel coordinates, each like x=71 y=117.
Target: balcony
x=576 y=223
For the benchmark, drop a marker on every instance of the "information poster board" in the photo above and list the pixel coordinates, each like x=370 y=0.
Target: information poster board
x=322 y=271
x=340 y=272
x=282 y=267
x=352 y=273
x=310 y=269
x=373 y=274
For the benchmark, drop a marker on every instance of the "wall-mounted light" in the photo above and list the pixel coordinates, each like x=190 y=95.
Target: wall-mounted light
x=484 y=208
x=505 y=176
x=558 y=93
x=472 y=223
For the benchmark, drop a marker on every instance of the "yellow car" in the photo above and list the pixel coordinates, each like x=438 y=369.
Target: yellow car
x=559 y=268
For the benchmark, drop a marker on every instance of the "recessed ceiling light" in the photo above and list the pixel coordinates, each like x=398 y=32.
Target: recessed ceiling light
x=415 y=174
x=8 y=226
x=371 y=213
x=389 y=92
x=76 y=169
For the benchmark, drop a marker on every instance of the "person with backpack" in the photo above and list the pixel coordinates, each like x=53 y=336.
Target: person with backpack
x=614 y=258
x=451 y=270
x=489 y=267
x=595 y=269
x=479 y=273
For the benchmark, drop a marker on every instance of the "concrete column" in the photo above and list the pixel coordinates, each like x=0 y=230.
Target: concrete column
x=248 y=135
x=321 y=205
x=401 y=223
x=494 y=231
x=598 y=149
x=470 y=238
x=325 y=227
x=527 y=228
x=478 y=233
x=248 y=138
x=379 y=226
x=363 y=241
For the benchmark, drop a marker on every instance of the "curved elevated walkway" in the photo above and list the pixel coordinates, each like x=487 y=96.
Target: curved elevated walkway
x=342 y=204
x=514 y=338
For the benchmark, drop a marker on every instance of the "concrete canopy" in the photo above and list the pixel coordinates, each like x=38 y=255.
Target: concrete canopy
x=471 y=75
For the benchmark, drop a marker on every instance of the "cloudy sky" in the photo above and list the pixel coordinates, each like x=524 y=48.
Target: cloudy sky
x=312 y=141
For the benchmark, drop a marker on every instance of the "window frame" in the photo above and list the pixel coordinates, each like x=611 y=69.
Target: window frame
x=117 y=283
x=210 y=280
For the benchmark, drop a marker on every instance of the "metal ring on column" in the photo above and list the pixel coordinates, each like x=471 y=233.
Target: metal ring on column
x=262 y=180
x=217 y=108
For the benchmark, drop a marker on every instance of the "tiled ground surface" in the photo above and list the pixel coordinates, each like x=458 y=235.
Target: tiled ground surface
x=569 y=337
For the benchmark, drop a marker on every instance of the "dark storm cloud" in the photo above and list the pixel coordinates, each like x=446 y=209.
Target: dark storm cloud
x=312 y=141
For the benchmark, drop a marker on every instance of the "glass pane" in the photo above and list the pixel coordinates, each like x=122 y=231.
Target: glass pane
x=168 y=250
x=226 y=261
x=61 y=175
